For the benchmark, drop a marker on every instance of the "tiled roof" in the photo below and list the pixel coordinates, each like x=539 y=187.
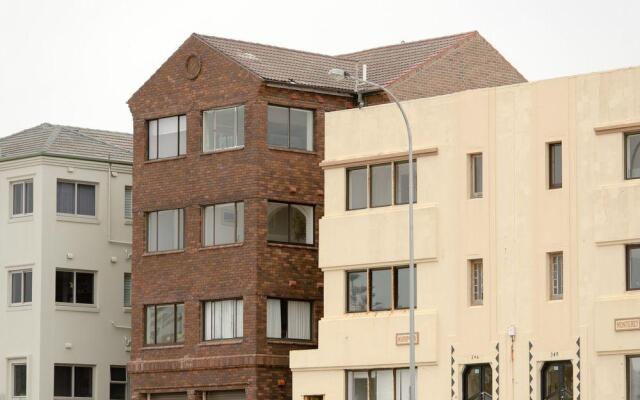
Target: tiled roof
x=301 y=68
x=67 y=141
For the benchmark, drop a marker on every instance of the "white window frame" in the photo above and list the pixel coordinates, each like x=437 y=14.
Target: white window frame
x=215 y=145
x=556 y=275
x=476 y=282
x=75 y=275
x=75 y=193
x=73 y=378
x=11 y=388
x=12 y=185
x=10 y=287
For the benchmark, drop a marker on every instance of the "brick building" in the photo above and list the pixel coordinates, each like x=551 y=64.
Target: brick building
x=228 y=136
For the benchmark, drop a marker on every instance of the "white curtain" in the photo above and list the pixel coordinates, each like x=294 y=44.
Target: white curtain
x=208 y=320
x=208 y=226
x=228 y=318
x=239 y=318
x=274 y=319
x=384 y=384
x=402 y=384
x=299 y=320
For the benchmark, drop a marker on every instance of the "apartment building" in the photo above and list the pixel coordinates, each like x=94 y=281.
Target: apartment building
x=527 y=242
x=65 y=247
x=228 y=137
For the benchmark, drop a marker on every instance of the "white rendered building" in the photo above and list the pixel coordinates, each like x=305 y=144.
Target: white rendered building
x=65 y=245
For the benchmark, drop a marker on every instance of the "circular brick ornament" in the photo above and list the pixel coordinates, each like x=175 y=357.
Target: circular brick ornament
x=193 y=66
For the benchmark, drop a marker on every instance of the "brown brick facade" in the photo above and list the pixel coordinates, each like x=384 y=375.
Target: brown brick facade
x=253 y=270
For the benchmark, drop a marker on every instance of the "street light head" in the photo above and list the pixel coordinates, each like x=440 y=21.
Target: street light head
x=338 y=74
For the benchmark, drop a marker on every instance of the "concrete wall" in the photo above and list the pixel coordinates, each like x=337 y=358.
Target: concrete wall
x=44 y=333
x=512 y=228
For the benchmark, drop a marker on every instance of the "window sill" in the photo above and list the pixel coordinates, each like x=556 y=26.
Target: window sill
x=299 y=151
x=221 y=246
x=126 y=310
x=78 y=219
x=227 y=150
x=221 y=342
x=20 y=218
x=128 y=221
x=162 y=253
x=19 y=307
x=77 y=308
x=162 y=347
x=378 y=312
x=292 y=245
x=157 y=160
x=299 y=342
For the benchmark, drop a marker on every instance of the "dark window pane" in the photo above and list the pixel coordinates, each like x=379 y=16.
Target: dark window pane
x=381 y=185
x=84 y=288
x=83 y=382
x=402 y=182
x=358 y=385
x=28 y=277
x=476 y=175
x=86 y=200
x=278 y=222
x=18 y=196
x=357 y=291
x=632 y=154
x=634 y=377
x=634 y=267
x=28 y=197
x=357 y=188
x=301 y=220
x=62 y=381
x=117 y=391
x=19 y=379
x=127 y=290
x=16 y=287
x=402 y=287
x=555 y=165
x=66 y=198
x=381 y=289
x=301 y=129
x=64 y=287
x=118 y=374
x=278 y=134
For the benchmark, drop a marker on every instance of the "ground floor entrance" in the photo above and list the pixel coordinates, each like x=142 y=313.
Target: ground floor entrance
x=557 y=380
x=478 y=383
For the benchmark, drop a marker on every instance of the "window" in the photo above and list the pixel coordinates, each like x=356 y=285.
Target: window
x=288 y=319
x=118 y=385
x=223 y=319
x=165 y=230
x=555 y=165
x=72 y=382
x=290 y=128
x=128 y=202
x=475 y=163
x=633 y=377
x=223 y=128
x=76 y=198
x=165 y=324
x=632 y=155
x=475 y=282
x=556 y=276
x=75 y=287
x=290 y=223
x=167 y=137
x=22 y=200
x=380 y=185
x=223 y=224
x=633 y=267
x=378 y=384
x=21 y=287
x=378 y=289
x=18 y=380
x=127 y=290
x=314 y=397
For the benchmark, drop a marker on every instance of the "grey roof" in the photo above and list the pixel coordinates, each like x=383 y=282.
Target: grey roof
x=68 y=141
x=301 y=68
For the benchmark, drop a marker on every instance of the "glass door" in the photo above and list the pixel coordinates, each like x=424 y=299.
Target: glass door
x=478 y=383
x=557 y=381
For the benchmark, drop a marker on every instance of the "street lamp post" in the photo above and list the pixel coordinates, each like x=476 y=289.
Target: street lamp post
x=339 y=75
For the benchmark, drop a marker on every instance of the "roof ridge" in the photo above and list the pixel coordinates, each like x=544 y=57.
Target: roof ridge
x=52 y=137
x=273 y=46
x=89 y=129
x=77 y=132
x=411 y=42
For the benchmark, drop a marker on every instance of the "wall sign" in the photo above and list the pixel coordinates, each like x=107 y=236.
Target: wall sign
x=402 y=339
x=627 y=324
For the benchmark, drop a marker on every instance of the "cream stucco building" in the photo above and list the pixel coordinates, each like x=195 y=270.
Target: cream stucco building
x=527 y=232
x=64 y=263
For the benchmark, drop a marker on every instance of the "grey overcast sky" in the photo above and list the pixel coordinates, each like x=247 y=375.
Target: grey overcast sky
x=77 y=62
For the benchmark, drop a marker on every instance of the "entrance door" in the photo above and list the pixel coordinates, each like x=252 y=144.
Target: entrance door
x=557 y=381
x=478 y=383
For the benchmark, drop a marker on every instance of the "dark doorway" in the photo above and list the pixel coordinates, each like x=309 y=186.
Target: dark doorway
x=557 y=380
x=478 y=383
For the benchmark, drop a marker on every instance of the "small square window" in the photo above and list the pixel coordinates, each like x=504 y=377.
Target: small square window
x=167 y=137
x=290 y=128
x=555 y=165
x=223 y=224
x=22 y=198
x=475 y=175
x=75 y=198
x=223 y=128
x=290 y=223
x=288 y=319
x=20 y=287
x=165 y=230
x=75 y=287
x=164 y=324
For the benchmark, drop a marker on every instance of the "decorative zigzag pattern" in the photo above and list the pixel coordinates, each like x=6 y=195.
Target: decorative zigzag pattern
x=530 y=371
x=578 y=368
x=453 y=373
x=498 y=371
